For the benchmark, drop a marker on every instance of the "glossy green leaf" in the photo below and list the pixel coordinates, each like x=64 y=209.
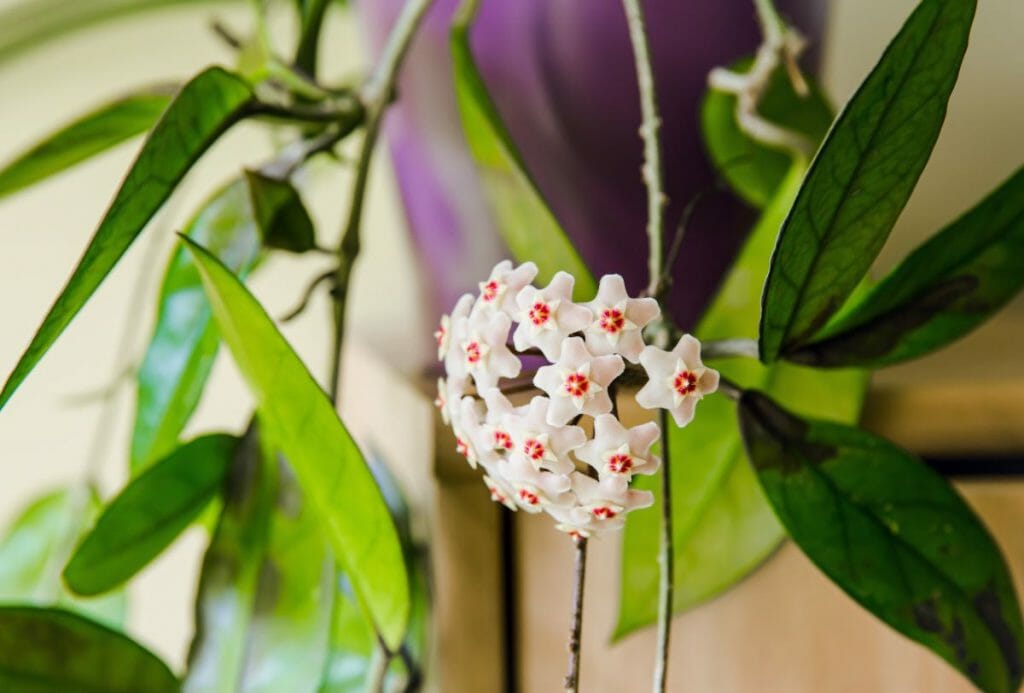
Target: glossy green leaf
x=230 y=574
x=863 y=176
x=38 y=544
x=184 y=345
x=892 y=533
x=149 y=514
x=93 y=133
x=280 y=214
x=328 y=465
x=724 y=528
x=939 y=293
x=752 y=169
x=199 y=114
x=50 y=650
x=523 y=218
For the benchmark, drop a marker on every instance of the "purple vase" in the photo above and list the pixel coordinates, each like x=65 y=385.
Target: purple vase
x=562 y=75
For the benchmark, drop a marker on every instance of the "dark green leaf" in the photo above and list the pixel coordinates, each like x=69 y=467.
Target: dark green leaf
x=185 y=341
x=942 y=291
x=91 y=134
x=282 y=218
x=863 y=175
x=724 y=527
x=754 y=170
x=149 y=513
x=38 y=544
x=328 y=465
x=199 y=114
x=523 y=217
x=893 y=534
x=54 y=651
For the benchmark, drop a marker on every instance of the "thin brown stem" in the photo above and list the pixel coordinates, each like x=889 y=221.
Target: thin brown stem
x=572 y=676
x=667 y=561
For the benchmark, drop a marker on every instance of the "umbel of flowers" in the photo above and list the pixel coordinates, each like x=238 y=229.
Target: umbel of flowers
x=536 y=457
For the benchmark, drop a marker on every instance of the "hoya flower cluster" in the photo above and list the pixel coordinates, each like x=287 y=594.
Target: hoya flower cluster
x=533 y=455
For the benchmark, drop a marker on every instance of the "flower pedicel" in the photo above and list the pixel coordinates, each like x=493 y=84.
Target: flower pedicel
x=533 y=456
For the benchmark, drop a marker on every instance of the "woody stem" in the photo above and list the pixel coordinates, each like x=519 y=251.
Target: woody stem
x=572 y=676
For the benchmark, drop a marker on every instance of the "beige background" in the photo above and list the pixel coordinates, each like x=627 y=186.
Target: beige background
x=47 y=432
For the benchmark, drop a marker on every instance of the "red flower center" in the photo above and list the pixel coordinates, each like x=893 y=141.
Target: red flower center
x=502 y=440
x=611 y=320
x=577 y=385
x=604 y=512
x=462 y=447
x=534 y=449
x=528 y=497
x=540 y=313
x=489 y=291
x=473 y=352
x=440 y=334
x=496 y=495
x=620 y=463
x=684 y=382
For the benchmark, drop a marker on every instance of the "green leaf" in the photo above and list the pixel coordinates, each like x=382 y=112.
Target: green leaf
x=893 y=534
x=328 y=465
x=751 y=168
x=149 y=514
x=290 y=629
x=230 y=573
x=863 y=175
x=939 y=293
x=524 y=219
x=38 y=544
x=280 y=214
x=199 y=114
x=52 y=650
x=93 y=133
x=184 y=345
x=353 y=648
x=266 y=587
x=723 y=526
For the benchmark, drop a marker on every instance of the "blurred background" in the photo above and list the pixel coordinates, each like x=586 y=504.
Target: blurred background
x=67 y=418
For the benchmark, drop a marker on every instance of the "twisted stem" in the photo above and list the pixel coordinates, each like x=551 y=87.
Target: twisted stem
x=650 y=123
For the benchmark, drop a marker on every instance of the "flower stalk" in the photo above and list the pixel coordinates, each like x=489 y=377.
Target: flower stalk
x=572 y=676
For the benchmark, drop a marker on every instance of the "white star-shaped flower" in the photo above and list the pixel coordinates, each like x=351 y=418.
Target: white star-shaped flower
x=452 y=331
x=499 y=292
x=501 y=491
x=483 y=352
x=618 y=320
x=577 y=383
x=467 y=420
x=535 y=490
x=677 y=379
x=619 y=451
x=602 y=505
x=547 y=316
x=544 y=445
